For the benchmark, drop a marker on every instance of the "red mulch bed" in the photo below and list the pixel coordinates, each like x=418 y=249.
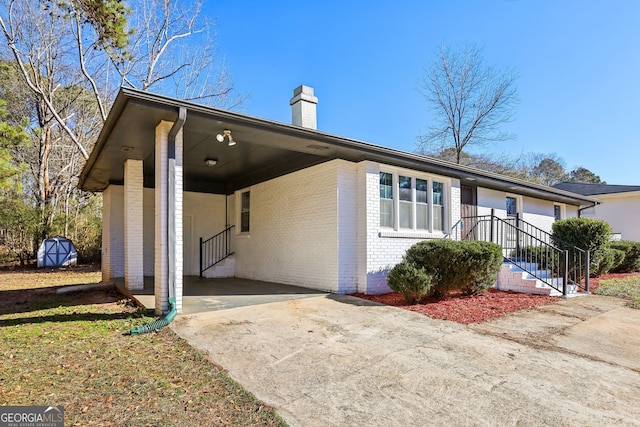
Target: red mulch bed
x=466 y=309
x=477 y=308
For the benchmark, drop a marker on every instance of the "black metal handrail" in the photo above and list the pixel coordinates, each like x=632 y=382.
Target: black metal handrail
x=526 y=245
x=215 y=249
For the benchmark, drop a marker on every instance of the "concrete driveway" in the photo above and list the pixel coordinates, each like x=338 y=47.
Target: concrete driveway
x=340 y=361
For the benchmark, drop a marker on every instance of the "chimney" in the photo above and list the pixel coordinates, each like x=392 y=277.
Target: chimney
x=303 y=107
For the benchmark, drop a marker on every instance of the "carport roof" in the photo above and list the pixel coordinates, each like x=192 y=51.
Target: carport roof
x=265 y=149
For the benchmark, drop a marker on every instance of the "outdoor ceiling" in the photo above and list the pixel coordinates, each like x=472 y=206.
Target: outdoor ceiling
x=264 y=150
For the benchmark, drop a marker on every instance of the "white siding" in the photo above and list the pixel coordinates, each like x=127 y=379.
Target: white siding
x=621 y=211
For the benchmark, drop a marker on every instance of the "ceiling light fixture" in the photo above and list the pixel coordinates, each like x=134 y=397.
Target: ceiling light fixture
x=225 y=134
x=210 y=162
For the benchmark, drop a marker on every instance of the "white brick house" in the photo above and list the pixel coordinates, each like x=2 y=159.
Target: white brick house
x=307 y=208
x=620 y=206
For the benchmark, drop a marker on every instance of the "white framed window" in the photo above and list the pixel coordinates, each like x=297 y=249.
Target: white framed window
x=513 y=205
x=406 y=202
x=386 y=199
x=438 y=206
x=245 y=211
x=422 y=204
x=412 y=202
x=559 y=211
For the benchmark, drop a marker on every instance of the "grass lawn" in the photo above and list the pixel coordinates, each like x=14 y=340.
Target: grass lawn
x=71 y=350
x=625 y=287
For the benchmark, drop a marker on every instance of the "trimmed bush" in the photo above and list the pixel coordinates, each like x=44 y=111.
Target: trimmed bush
x=471 y=267
x=631 y=261
x=413 y=283
x=584 y=233
x=612 y=258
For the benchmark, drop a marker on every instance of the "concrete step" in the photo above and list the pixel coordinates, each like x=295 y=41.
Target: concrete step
x=225 y=268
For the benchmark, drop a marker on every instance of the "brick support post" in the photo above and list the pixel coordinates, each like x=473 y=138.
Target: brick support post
x=161 y=250
x=133 y=225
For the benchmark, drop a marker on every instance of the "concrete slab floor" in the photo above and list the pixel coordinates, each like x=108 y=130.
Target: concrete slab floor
x=202 y=295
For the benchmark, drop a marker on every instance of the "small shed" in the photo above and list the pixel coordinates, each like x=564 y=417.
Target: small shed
x=57 y=252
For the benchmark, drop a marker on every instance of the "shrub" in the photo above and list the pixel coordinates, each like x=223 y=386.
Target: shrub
x=471 y=267
x=631 y=261
x=413 y=283
x=584 y=233
x=612 y=258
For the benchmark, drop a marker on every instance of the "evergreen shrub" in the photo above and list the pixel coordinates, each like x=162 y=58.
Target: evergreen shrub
x=412 y=282
x=471 y=267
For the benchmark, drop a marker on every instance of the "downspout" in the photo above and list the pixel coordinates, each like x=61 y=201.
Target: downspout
x=586 y=207
x=171 y=228
x=171 y=199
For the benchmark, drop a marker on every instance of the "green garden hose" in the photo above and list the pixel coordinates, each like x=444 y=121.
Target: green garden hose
x=158 y=324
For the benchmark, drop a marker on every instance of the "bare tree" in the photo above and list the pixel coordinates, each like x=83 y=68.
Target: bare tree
x=469 y=100
x=174 y=52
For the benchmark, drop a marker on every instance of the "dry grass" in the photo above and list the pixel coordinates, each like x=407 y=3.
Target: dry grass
x=72 y=350
x=624 y=287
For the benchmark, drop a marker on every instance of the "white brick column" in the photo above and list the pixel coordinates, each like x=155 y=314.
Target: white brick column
x=112 y=233
x=161 y=268
x=133 y=225
x=105 y=259
x=179 y=220
x=368 y=206
x=161 y=250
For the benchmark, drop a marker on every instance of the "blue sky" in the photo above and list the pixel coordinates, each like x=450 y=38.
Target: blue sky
x=579 y=65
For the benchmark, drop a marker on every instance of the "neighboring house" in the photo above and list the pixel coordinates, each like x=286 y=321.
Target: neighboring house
x=306 y=207
x=620 y=206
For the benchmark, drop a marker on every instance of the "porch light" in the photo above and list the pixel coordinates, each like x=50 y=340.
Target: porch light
x=225 y=134
x=211 y=162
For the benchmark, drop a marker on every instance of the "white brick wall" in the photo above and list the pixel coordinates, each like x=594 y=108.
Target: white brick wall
x=384 y=248
x=294 y=223
x=133 y=225
x=208 y=218
x=112 y=233
x=347 y=212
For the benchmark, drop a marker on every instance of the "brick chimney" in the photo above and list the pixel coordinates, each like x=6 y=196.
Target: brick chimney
x=303 y=107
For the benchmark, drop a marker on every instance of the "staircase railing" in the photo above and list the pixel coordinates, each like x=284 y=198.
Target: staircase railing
x=215 y=249
x=526 y=246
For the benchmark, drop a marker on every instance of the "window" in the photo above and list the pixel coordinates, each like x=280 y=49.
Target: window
x=386 y=199
x=406 y=202
x=411 y=203
x=512 y=206
x=557 y=212
x=422 y=205
x=438 y=206
x=245 y=209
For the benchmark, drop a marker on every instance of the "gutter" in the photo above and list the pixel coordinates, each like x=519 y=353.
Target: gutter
x=587 y=207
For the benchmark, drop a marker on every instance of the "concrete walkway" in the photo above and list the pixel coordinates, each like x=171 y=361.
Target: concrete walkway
x=333 y=360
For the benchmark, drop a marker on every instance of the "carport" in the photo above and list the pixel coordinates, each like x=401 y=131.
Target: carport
x=168 y=147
